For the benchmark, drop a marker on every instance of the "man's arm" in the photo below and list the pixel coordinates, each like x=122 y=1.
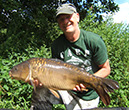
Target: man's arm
x=104 y=70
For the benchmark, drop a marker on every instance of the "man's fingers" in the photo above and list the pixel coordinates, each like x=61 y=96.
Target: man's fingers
x=40 y=84
x=36 y=82
x=79 y=87
x=82 y=86
x=74 y=89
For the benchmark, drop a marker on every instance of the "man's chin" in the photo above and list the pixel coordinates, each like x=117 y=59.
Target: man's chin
x=69 y=31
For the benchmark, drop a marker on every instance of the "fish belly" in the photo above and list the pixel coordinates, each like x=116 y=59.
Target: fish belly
x=58 y=79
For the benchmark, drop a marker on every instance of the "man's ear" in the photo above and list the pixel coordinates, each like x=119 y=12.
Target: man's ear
x=78 y=17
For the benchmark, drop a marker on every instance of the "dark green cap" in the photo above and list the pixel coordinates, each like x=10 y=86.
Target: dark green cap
x=66 y=8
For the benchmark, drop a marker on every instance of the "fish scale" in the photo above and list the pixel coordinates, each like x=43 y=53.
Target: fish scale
x=58 y=75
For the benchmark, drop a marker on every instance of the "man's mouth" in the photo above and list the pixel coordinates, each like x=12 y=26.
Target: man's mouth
x=68 y=26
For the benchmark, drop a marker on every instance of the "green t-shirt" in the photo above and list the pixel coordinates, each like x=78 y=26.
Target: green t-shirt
x=87 y=52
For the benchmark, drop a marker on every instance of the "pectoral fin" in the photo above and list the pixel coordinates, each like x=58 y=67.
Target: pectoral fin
x=32 y=83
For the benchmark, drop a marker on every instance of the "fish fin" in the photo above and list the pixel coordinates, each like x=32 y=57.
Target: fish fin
x=31 y=81
x=55 y=93
x=106 y=85
x=84 y=89
x=55 y=59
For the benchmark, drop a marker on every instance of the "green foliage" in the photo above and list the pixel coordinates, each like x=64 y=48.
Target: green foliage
x=13 y=93
x=59 y=107
x=16 y=94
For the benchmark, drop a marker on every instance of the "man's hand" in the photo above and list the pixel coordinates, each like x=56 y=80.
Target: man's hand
x=36 y=83
x=79 y=87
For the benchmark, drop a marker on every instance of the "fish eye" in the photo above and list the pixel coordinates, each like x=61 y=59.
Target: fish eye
x=15 y=69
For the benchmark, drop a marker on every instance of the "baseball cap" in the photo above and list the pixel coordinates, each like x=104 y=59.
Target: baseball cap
x=66 y=8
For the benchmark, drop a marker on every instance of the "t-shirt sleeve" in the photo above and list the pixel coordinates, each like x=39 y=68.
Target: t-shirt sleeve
x=99 y=51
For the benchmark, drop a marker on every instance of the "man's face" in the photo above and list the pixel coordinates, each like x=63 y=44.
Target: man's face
x=68 y=22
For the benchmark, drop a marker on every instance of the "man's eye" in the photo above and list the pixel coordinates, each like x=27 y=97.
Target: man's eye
x=61 y=20
x=67 y=17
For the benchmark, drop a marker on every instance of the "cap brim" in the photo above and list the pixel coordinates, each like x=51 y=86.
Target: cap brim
x=65 y=12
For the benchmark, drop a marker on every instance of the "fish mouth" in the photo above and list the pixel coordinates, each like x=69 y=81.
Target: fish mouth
x=13 y=76
x=10 y=74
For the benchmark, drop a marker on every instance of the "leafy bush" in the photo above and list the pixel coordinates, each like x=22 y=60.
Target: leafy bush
x=16 y=94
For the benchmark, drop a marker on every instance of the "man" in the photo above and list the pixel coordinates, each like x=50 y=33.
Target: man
x=81 y=48
x=84 y=49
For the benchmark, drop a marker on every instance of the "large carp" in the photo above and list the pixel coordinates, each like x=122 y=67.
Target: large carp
x=58 y=75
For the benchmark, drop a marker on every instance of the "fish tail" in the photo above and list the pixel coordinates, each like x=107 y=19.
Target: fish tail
x=105 y=86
